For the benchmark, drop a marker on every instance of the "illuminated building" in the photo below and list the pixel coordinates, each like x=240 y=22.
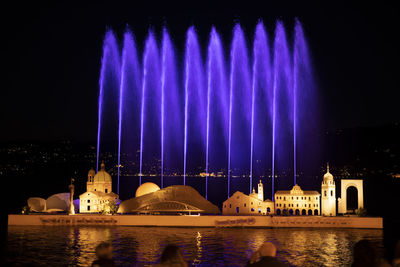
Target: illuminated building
x=297 y=202
x=253 y=204
x=175 y=199
x=328 y=198
x=98 y=193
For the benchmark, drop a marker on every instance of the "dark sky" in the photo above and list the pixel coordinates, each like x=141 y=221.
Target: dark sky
x=50 y=57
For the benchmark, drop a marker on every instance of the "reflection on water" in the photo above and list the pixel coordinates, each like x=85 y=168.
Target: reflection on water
x=201 y=246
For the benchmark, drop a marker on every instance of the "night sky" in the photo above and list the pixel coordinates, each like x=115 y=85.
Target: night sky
x=50 y=58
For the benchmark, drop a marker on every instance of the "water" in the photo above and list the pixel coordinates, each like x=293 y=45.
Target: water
x=36 y=245
x=243 y=108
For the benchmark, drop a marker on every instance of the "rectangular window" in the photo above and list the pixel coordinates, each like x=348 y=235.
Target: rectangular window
x=88 y=201
x=106 y=190
x=88 y=208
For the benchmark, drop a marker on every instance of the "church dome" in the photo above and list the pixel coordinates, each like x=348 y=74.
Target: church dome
x=328 y=175
x=146 y=188
x=102 y=175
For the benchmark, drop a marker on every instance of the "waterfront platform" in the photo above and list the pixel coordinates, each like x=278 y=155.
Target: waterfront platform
x=199 y=221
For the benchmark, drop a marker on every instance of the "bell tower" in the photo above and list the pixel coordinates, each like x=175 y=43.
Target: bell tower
x=328 y=194
x=90 y=181
x=260 y=191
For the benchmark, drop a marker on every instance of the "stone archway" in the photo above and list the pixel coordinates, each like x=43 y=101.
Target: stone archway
x=345 y=185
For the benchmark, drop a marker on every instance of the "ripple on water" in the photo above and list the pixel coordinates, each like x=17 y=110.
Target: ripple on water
x=200 y=246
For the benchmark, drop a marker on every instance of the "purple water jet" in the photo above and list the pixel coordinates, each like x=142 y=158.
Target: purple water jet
x=209 y=121
x=282 y=103
x=108 y=82
x=195 y=111
x=150 y=102
x=129 y=104
x=261 y=103
x=239 y=107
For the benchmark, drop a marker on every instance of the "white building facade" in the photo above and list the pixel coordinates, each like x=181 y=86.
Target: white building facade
x=253 y=204
x=99 y=192
x=297 y=202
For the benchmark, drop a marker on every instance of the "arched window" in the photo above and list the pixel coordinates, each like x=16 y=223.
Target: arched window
x=268 y=209
x=324 y=193
x=331 y=193
x=252 y=209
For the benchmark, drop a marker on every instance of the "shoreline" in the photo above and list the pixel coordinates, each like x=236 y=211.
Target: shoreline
x=214 y=221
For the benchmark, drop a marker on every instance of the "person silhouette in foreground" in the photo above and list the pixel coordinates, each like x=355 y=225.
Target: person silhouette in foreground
x=265 y=256
x=104 y=255
x=172 y=256
x=396 y=256
x=365 y=254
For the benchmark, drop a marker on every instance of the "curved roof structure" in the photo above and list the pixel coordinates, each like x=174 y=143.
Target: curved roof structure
x=58 y=201
x=146 y=188
x=172 y=199
x=37 y=204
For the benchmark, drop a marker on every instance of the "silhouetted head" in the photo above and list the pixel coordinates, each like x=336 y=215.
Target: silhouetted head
x=104 y=251
x=267 y=249
x=172 y=255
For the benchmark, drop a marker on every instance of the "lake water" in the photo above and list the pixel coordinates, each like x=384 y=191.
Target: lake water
x=142 y=246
